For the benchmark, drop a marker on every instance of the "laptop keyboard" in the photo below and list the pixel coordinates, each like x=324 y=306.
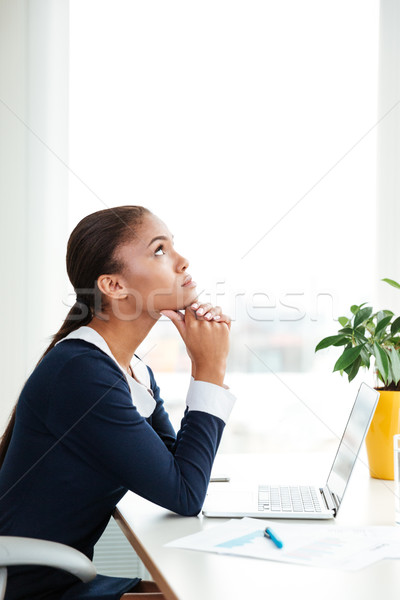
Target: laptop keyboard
x=284 y=498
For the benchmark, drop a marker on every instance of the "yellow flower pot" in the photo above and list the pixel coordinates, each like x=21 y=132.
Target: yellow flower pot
x=379 y=441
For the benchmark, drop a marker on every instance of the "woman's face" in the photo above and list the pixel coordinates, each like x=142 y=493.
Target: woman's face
x=154 y=271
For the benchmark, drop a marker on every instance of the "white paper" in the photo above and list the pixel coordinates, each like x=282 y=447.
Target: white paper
x=329 y=546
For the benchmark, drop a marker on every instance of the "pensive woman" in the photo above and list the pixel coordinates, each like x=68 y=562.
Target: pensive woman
x=90 y=423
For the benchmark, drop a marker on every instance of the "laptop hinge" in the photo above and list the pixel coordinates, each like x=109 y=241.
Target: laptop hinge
x=330 y=499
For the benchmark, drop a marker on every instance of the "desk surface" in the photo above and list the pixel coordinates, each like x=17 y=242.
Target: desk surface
x=191 y=575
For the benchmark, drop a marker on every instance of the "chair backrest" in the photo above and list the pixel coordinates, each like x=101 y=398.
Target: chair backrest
x=30 y=551
x=3 y=582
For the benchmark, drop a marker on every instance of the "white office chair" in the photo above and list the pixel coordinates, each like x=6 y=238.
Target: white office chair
x=29 y=551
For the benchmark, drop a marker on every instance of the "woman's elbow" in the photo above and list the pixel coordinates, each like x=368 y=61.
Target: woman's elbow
x=190 y=507
x=189 y=511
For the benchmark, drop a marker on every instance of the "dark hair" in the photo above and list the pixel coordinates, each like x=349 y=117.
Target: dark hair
x=91 y=252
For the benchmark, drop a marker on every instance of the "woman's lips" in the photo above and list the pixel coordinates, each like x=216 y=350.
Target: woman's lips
x=190 y=283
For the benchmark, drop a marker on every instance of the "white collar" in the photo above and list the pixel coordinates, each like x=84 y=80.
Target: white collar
x=142 y=395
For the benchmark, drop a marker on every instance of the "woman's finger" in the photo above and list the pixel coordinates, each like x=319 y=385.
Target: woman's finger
x=221 y=318
x=207 y=311
x=201 y=309
x=210 y=313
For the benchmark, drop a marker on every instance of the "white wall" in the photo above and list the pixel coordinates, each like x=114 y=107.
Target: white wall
x=388 y=153
x=33 y=184
x=12 y=196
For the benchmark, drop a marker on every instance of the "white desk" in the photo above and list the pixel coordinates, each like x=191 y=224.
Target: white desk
x=190 y=575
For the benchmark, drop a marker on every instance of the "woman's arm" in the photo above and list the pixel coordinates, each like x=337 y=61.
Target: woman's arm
x=159 y=420
x=93 y=414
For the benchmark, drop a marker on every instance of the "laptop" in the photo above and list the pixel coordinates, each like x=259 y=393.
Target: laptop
x=301 y=501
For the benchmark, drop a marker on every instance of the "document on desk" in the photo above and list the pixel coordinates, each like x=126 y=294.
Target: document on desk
x=329 y=546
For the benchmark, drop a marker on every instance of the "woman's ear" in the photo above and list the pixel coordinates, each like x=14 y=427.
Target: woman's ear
x=112 y=287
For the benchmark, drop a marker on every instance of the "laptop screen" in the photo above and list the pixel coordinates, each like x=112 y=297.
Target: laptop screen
x=352 y=439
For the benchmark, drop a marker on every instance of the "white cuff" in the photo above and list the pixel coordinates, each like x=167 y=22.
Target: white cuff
x=210 y=398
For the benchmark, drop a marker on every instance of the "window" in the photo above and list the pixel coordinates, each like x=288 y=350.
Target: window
x=249 y=128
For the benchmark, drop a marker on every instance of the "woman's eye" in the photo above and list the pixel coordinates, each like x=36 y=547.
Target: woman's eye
x=160 y=247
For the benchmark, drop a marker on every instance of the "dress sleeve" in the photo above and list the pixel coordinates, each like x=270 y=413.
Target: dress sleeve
x=159 y=420
x=91 y=412
x=210 y=398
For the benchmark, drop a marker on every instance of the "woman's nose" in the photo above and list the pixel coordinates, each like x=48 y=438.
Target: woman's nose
x=183 y=263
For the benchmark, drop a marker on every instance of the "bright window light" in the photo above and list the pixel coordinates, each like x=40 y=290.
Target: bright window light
x=250 y=129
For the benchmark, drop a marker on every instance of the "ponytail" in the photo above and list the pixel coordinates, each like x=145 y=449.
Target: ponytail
x=79 y=315
x=91 y=252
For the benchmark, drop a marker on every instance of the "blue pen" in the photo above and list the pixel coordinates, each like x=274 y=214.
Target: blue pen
x=270 y=534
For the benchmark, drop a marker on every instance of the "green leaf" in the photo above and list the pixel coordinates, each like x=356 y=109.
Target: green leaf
x=354 y=369
x=346 y=330
x=343 y=321
x=392 y=283
x=359 y=334
x=362 y=315
x=382 y=362
x=392 y=341
x=390 y=374
x=380 y=315
x=347 y=358
x=380 y=377
x=354 y=309
x=342 y=342
x=395 y=326
x=365 y=356
x=329 y=341
x=382 y=324
x=394 y=357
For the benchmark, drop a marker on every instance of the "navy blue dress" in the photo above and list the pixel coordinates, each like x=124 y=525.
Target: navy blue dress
x=78 y=446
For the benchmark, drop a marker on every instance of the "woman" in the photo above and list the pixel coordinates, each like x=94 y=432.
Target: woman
x=90 y=424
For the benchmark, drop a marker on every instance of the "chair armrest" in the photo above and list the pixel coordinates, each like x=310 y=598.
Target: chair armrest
x=30 y=551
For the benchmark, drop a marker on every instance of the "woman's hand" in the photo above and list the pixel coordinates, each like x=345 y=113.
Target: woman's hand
x=209 y=312
x=206 y=340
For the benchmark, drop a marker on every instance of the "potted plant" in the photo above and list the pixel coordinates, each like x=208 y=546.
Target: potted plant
x=364 y=335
